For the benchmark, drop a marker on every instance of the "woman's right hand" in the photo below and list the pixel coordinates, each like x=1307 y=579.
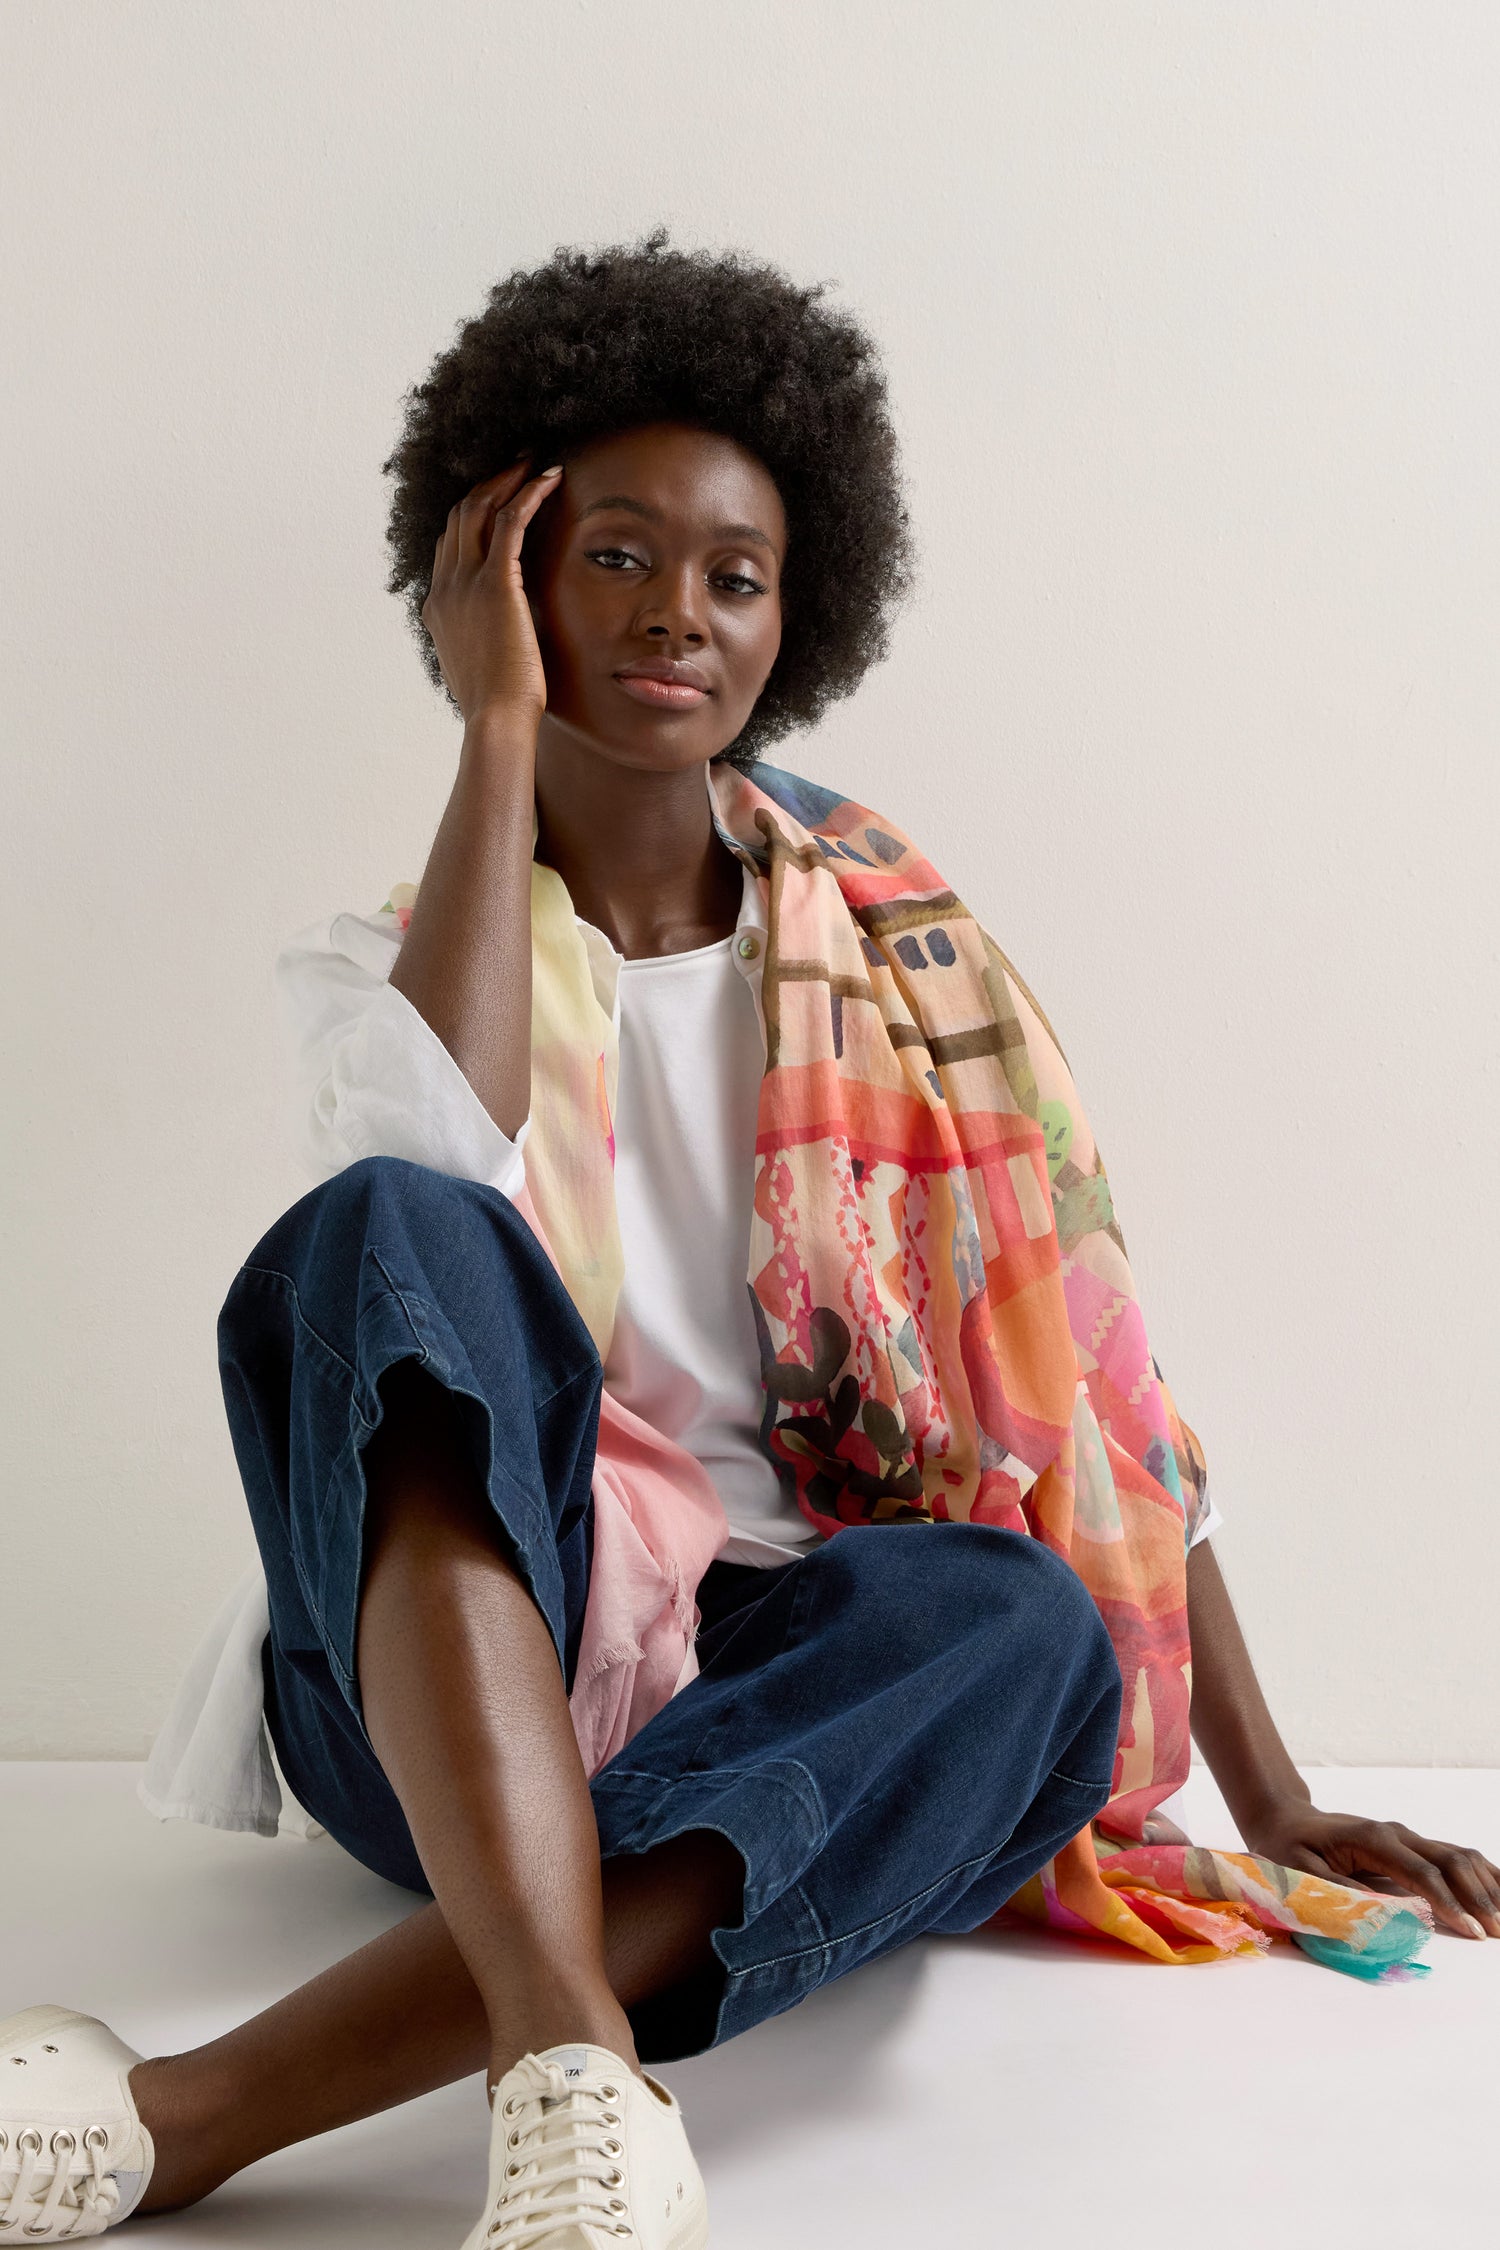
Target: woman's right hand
x=476 y=610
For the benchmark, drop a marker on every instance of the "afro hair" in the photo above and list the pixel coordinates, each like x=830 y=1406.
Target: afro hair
x=585 y=347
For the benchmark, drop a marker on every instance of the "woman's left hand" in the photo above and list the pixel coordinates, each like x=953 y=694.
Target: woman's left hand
x=1382 y=1855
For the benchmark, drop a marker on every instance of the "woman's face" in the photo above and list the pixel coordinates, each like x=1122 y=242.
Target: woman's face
x=664 y=543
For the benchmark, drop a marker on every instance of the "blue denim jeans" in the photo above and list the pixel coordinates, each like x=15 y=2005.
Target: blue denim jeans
x=894 y=1730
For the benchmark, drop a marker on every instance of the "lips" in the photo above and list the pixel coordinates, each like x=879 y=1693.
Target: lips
x=674 y=669
x=665 y=695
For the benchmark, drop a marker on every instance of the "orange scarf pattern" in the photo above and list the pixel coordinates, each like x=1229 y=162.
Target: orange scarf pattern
x=947 y=1323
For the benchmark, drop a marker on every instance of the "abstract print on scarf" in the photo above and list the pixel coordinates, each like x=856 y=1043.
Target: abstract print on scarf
x=948 y=1327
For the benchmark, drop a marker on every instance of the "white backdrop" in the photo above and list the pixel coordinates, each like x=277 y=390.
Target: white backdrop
x=1190 y=318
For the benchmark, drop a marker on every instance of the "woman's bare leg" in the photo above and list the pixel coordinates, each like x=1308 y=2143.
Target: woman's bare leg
x=529 y=1941
x=466 y=1711
x=400 y=2017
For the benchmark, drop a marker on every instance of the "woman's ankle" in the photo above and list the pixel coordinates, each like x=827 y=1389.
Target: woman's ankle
x=180 y=2111
x=515 y=2033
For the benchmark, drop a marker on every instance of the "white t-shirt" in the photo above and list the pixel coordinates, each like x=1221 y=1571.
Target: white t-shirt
x=684 y=1354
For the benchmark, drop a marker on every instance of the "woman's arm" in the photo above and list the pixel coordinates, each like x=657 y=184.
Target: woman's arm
x=465 y=964
x=1269 y=1802
x=1230 y=1720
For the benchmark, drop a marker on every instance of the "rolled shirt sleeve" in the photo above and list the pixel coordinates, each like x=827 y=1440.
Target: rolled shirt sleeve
x=369 y=1076
x=1210 y=1524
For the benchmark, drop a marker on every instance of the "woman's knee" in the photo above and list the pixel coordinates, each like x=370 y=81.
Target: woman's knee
x=401 y=1179
x=1065 y=1620
x=389 y=1183
x=1001 y=1589
x=348 y=1204
x=392 y=1234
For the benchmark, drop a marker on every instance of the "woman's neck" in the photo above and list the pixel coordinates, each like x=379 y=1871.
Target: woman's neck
x=638 y=851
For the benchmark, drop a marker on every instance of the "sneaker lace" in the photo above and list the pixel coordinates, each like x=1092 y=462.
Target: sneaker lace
x=77 y=2185
x=564 y=2167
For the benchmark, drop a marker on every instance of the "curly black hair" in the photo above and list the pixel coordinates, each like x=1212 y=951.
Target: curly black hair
x=585 y=347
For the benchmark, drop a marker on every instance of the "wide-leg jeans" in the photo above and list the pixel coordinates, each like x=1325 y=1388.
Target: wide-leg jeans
x=894 y=1730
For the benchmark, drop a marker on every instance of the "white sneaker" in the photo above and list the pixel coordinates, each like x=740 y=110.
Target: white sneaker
x=584 y=2154
x=74 y=2155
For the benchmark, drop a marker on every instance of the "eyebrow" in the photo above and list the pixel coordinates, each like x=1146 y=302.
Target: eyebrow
x=653 y=515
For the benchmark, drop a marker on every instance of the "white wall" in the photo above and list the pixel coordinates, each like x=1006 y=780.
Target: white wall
x=1190 y=319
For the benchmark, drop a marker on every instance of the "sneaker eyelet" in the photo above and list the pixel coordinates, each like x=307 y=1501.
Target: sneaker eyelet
x=49 y=2050
x=616 y=2203
x=610 y=2093
x=511 y=2106
x=612 y=2148
x=62 y=2140
x=614 y=2179
x=512 y=2171
x=679 y=2190
x=96 y=2137
x=512 y=2138
x=20 y=2060
x=29 y=2138
x=610 y=2117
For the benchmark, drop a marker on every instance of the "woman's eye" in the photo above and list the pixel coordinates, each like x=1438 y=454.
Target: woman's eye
x=729 y=578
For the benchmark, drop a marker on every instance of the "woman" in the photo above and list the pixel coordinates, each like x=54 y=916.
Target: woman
x=588 y=1612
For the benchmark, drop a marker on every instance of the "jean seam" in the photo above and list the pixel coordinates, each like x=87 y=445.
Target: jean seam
x=527 y=1546
x=802 y=1952
x=591 y=1371
x=426 y=1307
x=346 y=1679
x=880 y=1920
x=314 y=1606
x=694 y=1765
x=400 y=1296
x=269 y=1273
x=664 y=1785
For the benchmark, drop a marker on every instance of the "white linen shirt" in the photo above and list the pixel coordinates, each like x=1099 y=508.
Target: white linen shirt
x=370 y=1077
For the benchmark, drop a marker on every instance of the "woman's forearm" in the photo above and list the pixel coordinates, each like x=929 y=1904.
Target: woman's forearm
x=1230 y=1721
x=465 y=962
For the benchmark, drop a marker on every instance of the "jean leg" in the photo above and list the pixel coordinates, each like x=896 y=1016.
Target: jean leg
x=387 y=1261
x=911 y=1721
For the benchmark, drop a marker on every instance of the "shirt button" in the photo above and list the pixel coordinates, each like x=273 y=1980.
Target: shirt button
x=749 y=947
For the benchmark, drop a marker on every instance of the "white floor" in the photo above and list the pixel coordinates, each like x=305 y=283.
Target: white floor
x=991 y=2091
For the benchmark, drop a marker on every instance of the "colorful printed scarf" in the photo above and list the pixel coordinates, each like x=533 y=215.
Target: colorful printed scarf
x=947 y=1322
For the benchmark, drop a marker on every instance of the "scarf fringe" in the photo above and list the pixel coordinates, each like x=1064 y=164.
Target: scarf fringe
x=1187 y=1903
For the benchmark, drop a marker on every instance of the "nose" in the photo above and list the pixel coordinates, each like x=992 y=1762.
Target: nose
x=677 y=611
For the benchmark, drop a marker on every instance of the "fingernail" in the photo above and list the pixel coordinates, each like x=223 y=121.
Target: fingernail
x=555 y=471
x=1475 y=1929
